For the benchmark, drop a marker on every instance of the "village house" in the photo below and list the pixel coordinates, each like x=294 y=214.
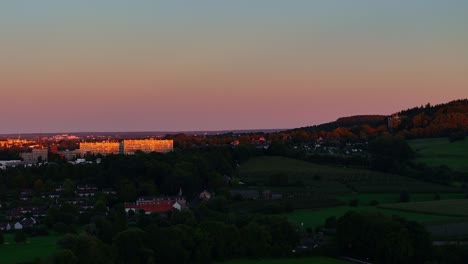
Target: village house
x=154 y=204
x=205 y=195
x=85 y=192
x=14 y=213
x=5 y=226
x=26 y=195
x=109 y=191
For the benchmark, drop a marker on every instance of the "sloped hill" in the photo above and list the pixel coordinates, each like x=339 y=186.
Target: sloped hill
x=331 y=179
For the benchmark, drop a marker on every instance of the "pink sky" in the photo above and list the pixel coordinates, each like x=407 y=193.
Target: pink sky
x=236 y=67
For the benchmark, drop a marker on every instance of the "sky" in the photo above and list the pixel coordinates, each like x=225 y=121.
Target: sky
x=148 y=65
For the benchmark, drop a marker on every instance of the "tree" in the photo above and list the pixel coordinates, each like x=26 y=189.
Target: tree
x=69 y=187
x=256 y=240
x=171 y=244
x=60 y=228
x=389 y=152
x=330 y=222
x=100 y=206
x=127 y=192
x=184 y=217
x=38 y=185
x=130 y=247
x=354 y=202
x=64 y=256
x=87 y=248
x=379 y=239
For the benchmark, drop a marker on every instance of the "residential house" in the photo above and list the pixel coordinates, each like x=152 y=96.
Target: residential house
x=205 y=195
x=5 y=226
x=28 y=222
x=109 y=191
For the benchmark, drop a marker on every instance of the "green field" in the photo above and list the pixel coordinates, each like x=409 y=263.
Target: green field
x=439 y=151
x=386 y=198
x=332 y=180
x=314 y=218
x=318 y=260
x=35 y=247
x=458 y=207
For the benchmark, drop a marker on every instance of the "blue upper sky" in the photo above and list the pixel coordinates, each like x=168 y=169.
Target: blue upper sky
x=188 y=56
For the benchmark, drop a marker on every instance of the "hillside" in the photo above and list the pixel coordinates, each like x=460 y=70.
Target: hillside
x=350 y=121
x=329 y=179
x=433 y=121
x=442 y=120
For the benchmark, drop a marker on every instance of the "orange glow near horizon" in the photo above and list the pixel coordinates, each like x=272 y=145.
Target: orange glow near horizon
x=212 y=66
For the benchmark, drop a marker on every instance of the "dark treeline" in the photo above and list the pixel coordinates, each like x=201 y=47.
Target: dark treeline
x=10 y=153
x=379 y=239
x=142 y=174
x=203 y=234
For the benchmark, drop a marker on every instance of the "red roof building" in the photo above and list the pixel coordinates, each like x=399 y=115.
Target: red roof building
x=156 y=204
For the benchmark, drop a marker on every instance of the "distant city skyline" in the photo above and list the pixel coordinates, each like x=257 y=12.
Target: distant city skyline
x=115 y=65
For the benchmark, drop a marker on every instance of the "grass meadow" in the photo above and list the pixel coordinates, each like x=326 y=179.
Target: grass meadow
x=330 y=179
x=35 y=247
x=440 y=151
x=315 y=218
x=456 y=207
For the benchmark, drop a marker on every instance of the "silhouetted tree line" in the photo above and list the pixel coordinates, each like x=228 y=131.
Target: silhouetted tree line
x=191 y=169
x=10 y=153
x=377 y=238
x=208 y=233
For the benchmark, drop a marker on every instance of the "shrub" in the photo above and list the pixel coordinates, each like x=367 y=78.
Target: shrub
x=456 y=136
x=354 y=202
x=330 y=222
x=404 y=197
x=41 y=230
x=60 y=228
x=20 y=237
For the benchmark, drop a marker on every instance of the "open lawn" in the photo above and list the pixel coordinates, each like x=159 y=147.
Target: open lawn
x=458 y=207
x=318 y=178
x=439 y=151
x=35 y=247
x=307 y=260
x=314 y=218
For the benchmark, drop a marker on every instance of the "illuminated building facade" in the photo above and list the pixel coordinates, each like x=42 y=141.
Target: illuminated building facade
x=130 y=146
x=103 y=148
